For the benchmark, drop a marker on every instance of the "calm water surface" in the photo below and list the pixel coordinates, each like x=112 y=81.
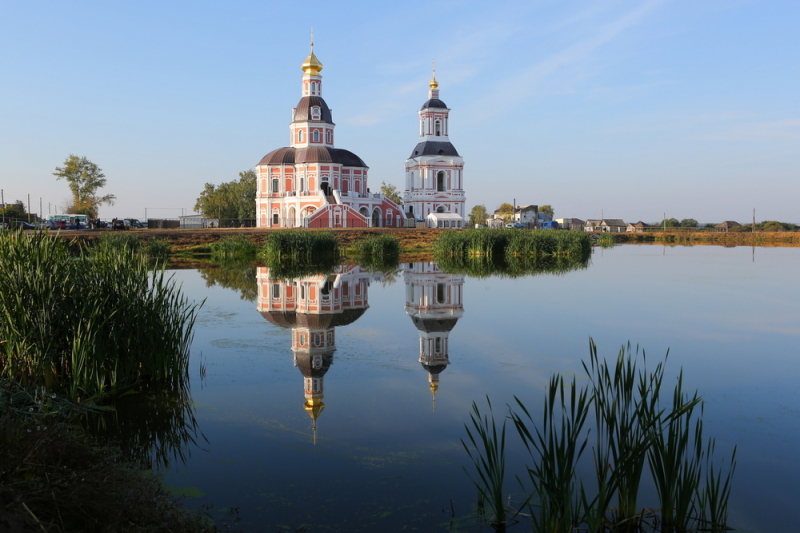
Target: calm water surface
x=339 y=403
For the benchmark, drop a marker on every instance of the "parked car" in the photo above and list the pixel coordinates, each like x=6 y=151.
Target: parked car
x=13 y=224
x=515 y=225
x=118 y=223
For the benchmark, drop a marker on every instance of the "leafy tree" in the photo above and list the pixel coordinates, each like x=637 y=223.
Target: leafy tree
x=689 y=223
x=84 y=178
x=478 y=215
x=14 y=211
x=390 y=192
x=233 y=201
x=547 y=210
x=671 y=223
x=505 y=211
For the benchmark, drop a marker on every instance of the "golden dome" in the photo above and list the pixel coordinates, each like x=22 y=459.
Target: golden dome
x=312 y=65
x=434 y=84
x=313 y=407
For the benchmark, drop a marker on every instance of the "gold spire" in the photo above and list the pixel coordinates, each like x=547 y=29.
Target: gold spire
x=314 y=407
x=434 y=387
x=434 y=84
x=312 y=65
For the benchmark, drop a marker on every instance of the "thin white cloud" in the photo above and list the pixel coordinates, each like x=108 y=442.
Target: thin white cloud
x=516 y=88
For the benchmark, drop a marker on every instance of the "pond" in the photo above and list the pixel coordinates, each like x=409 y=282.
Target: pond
x=338 y=402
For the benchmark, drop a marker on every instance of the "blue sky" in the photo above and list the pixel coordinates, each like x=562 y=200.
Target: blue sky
x=629 y=109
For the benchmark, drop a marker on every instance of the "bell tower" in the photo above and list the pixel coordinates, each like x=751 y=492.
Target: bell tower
x=434 y=171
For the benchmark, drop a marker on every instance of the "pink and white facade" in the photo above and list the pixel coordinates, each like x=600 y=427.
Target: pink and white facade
x=434 y=188
x=313 y=184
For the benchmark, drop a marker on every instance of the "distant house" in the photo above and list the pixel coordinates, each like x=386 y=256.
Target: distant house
x=592 y=225
x=639 y=227
x=570 y=223
x=527 y=214
x=606 y=225
x=496 y=222
x=728 y=224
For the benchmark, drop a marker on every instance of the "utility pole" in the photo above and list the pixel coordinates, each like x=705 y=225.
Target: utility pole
x=754 y=220
x=3 y=201
x=664 y=222
x=40 y=207
x=29 y=207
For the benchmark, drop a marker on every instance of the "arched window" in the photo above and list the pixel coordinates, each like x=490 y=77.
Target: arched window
x=411 y=186
x=275 y=184
x=440 y=293
x=302 y=184
x=441 y=209
x=329 y=137
x=299 y=136
x=438 y=128
x=441 y=181
x=316 y=136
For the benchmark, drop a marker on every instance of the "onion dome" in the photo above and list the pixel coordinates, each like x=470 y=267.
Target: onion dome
x=314 y=406
x=312 y=65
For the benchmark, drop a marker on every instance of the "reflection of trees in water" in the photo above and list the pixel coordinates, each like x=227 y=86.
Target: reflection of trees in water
x=154 y=429
x=236 y=275
x=513 y=266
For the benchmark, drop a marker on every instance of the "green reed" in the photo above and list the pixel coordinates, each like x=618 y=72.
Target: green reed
x=488 y=458
x=233 y=246
x=89 y=324
x=498 y=243
x=299 y=245
x=632 y=432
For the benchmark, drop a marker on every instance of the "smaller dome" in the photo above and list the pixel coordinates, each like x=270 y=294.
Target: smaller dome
x=434 y=102
x=281 y=156
x=434 y=369
x=312 y=65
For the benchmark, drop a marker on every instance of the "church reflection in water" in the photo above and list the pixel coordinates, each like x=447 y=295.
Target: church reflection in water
x=314 y=306
x=435 y=302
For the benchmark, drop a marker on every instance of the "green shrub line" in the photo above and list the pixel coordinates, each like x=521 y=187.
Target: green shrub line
x=498 y=243
x=633 y=432
x=513 y=266
x=91 y=324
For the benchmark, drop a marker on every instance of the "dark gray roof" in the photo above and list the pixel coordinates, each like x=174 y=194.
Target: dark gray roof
x=305 y=362
x=434 y=102
x=432 y=325
x=434 y=148
x=303 y=109
x=434 y=369
x=312 y=154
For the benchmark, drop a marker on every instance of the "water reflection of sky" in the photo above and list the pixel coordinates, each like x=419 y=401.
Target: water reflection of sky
x=384 y=459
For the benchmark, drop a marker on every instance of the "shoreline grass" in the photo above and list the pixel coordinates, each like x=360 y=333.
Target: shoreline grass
x=67 y=321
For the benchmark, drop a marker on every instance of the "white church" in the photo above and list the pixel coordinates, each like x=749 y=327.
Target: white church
x=313 y=184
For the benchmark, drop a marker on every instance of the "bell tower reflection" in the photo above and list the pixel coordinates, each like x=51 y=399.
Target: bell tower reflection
x=434 y=301
x=313 y=307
